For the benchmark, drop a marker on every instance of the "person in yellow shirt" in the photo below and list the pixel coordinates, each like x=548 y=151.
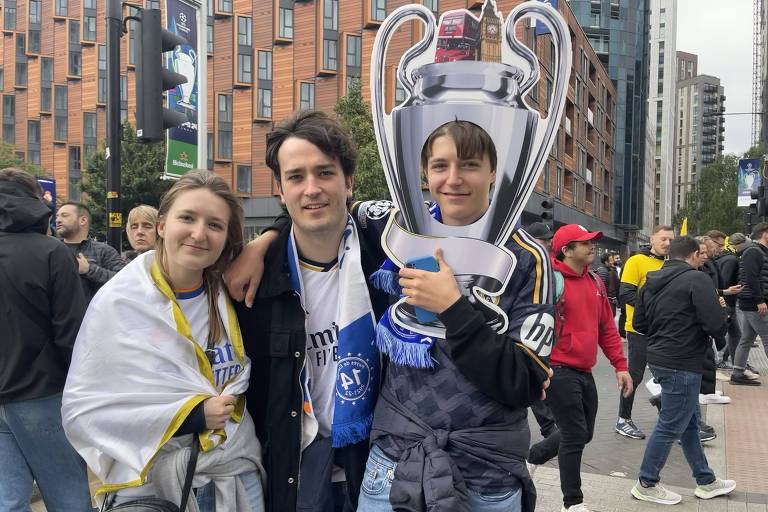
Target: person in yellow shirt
x=632 y=279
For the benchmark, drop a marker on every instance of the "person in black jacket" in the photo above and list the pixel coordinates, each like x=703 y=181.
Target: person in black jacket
x=42 y=308
x=752 y=310
x=608 y=273
x=679 y=310
x=728 y=264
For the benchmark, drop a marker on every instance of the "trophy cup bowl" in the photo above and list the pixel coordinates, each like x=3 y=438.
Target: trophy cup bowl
x=184 y=64
x=489 y=95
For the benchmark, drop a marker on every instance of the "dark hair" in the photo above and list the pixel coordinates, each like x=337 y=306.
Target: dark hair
x=471 y=141
x=682 y=247
x=758 y=230
x=23 y=178
x=560 y=254
x=713 y=233
x=662 y=227
x=82 y=210
x=606 y=255
x=317 y=128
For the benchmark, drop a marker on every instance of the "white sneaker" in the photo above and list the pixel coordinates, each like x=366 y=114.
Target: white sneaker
x=656 y=494
x=575 y=508
x=713 y=398
x=717 y=488
x=751 y=375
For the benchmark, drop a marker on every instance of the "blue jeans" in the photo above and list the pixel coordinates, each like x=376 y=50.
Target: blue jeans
x=678 y=419
x=33 y=447
x=377 y=482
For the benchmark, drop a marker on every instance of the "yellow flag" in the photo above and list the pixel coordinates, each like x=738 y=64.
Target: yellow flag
x=684 y=227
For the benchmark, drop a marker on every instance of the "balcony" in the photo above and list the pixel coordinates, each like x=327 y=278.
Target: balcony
x=710 y=99
x=722 y=98
x=709 y=120
x=709 y=129
x=710 y=88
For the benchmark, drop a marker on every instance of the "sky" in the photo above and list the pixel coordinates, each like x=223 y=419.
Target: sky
x=720 y=33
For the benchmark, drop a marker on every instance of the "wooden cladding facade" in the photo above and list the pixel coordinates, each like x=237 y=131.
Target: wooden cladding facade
x=288 y=43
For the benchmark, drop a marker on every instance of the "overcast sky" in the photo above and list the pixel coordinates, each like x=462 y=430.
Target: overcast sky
x=720 y=33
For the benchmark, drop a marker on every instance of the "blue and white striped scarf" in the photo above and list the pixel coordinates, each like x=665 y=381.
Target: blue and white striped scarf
x=358 y=371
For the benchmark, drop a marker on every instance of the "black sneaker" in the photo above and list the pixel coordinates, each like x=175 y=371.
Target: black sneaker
x=724 y=365
x=743 y=380
x=627 y=428
x=703 y=427
x=704 y=437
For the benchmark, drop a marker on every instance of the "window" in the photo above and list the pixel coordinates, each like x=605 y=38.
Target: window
x=331 y=14
x=74 y=173
x=89 y=20
x=9 y=119
x=307 y=96
x=123 y=98
x=90 y=135
x=285 y=19
x=209 y=165
x=225 y=6
x=9 y=15
x=75 y=50
x=21 y=61
x=330 y=53
x=33 y=142
x=62 y=8
x=101 y=96
x=153 y=4
x=224 y=122
x=378 y=9
x=33 y=26
x=331 y=35
x=614 y=9
x=399 y=92
x=46 y=79
x=132 y=32
x=264 y=92
x=2 y=79
x=354 y=59
x=243 y=179
x=433 y=5
x=244 y=50
x=60 y=118
x=209 y=39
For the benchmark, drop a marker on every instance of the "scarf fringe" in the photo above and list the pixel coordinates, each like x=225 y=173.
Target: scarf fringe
x=400 y=352
x=351 y=433
x=386 y=281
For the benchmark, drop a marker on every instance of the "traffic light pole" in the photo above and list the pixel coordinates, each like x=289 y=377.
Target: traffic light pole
x=114 y=21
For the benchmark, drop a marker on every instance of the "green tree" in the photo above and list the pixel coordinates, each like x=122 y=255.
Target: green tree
x=8 y=158
x=355 y=115
x=712 y=202
x=141 y=169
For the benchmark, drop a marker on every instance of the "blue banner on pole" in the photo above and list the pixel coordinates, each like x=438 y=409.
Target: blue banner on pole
x=540 y=27
x=750 y=177
x=181 y=146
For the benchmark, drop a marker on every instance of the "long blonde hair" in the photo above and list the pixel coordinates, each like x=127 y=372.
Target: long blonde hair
x=194 y=180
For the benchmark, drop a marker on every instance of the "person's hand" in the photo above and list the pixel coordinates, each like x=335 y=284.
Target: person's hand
x=733 y=290
x=82 y=263
x=721 y=301
x=546 y=384
x=625 y=383
x=243 y=275
x=433 y=291
x=218 y=409
x=762 y=309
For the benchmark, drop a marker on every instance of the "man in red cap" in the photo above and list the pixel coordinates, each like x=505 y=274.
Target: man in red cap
x=584 y=321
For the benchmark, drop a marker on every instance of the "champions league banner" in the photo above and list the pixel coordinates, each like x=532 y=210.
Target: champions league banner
x=181 y=142
x=466 y=68
x=750 y=178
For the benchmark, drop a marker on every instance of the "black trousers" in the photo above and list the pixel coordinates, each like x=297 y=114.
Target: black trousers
x=733 y=336
x=544 y=418
x=638 y=358
x=572 y=397
x=708 y=372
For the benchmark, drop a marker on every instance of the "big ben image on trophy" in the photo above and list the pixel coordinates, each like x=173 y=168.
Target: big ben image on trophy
x=490 y=34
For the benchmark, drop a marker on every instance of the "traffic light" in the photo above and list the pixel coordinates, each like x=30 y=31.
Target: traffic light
x=548 y=212
x=152 y=79
x=762 y=200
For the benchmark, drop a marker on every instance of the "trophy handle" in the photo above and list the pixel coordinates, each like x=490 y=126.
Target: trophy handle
x=378 y=62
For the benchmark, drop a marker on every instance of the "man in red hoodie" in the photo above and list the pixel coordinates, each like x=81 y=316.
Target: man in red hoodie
x=584 y=321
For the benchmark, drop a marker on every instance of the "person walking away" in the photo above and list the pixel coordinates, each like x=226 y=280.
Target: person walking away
x=632 y=280
x=679 y=310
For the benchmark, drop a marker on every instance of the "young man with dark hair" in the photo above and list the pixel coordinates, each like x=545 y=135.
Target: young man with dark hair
x=96 y=262
x=584 y=323
x=679 y=309
x=728 y=264
x=610 y=276
x=752 y=310
x=632 y=280
x=43 y=306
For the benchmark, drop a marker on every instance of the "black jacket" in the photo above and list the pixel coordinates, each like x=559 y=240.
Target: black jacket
x=678 y=310
x=610 y=278
x=728 y=264
x=275 y=340
x=753 y=275
x=41 y=302
x=103 y=263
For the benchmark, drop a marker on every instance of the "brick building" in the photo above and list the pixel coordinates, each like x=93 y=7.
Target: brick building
x=265 y=59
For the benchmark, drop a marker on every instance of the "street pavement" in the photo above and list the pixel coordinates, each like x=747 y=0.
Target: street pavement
x=611 y=462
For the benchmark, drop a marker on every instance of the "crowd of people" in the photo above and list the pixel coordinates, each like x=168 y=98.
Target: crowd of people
x=200 y=370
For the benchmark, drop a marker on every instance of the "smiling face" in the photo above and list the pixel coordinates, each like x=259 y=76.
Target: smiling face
x=313 y=188
x=461 y=186
x=194 y=233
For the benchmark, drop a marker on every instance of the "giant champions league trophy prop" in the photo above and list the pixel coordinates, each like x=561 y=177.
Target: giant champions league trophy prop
x=448 y=82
